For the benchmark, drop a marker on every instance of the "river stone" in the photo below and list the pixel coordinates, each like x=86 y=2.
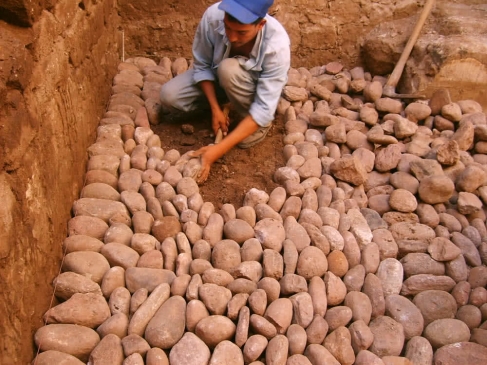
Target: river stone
x=113 y=279
x=226 y=255
x=71 y=339
x=263 y=211
x=354 y=278
x=421 y=282
x=225 y=353
x=189 y=350
x=335 y=289
x=92 y=265
x=477 y=277
x=213 y=232
x=257 y=302
x=316 y=353
x=469 y=251
x=417 y=111
x=195 y=311
x=214 y=297
x=242 y=330
x=69 y=283
x=141 y=277
x=388 y=336
x=334 y=237
x=406 y=313
x=116 y=325
x=388 y=105
x=338 y=316
x=311 y=262
x=270 y=233
x=81 y=242
x=237 y=302
x=280 y=314
x=99 y=208
x=435 y=189
x=166 y=227
x=361 y=336
x=238 y=230
x=470 y=315
x=461 y=353
x=388 y=158
x=108 y=351
x=442 y=249
x=56 y=357
x=412 y=231
x=255 y=196
x=391 y=273
x=302 y=309
x=89 y=226
x=421 y=263
x=297 y=337
x=403 y=201
x=89 y=310
x=365 y=357
x=254 y=347
x=349 y=169
x=298 y=359
x=217 y=276
x=277 y=350
x=360 y=305
x=337 y=263
x=457 y=269
x=134 y=344
x=251 y=270
x=359 y=227
x=446 y=331
x=215 y=329
x=296 y=233
x=147 y=309
x=120 y=255
x=156 y=356
x=339 y=344
x=470 y=179
x=167 y=326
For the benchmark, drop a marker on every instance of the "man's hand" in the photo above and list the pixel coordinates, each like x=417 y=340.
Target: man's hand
x=208 y=155
x=219 y=120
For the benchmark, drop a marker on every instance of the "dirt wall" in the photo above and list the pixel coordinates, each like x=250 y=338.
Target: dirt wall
x=55 y=79
x=321 y=30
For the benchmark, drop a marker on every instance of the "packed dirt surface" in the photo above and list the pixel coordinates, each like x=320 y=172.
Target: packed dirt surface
x=236 y=172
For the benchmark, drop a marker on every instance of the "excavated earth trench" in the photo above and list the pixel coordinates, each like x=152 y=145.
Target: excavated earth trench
x=354 y=234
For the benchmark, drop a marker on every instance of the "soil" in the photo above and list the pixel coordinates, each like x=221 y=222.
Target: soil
x=232 y=176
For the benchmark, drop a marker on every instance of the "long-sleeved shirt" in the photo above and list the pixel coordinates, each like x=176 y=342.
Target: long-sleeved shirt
x=270 y=59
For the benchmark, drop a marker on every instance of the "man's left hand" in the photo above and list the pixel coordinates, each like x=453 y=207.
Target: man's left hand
x=208 y=155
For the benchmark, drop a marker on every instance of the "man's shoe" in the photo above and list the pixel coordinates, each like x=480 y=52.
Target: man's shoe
x=256 y=137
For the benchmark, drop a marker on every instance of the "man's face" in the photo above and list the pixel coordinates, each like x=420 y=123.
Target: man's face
x=240 y=34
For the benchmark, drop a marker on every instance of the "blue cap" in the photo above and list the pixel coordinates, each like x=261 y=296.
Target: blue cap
x=246 y=11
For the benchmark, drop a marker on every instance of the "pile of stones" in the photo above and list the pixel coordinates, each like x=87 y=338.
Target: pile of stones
x=372 y=250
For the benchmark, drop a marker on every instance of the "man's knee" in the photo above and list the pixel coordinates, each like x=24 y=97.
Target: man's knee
x=228 y=71
x=168 y=97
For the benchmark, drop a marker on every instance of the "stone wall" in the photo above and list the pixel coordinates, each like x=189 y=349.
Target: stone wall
x=55 y=80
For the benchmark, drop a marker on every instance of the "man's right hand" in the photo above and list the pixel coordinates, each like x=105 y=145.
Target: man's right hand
x=220 y=120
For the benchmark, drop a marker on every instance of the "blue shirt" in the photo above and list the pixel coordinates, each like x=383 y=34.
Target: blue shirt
x=270 y=59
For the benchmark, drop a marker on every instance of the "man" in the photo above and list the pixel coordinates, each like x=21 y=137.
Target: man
x=240 y=52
